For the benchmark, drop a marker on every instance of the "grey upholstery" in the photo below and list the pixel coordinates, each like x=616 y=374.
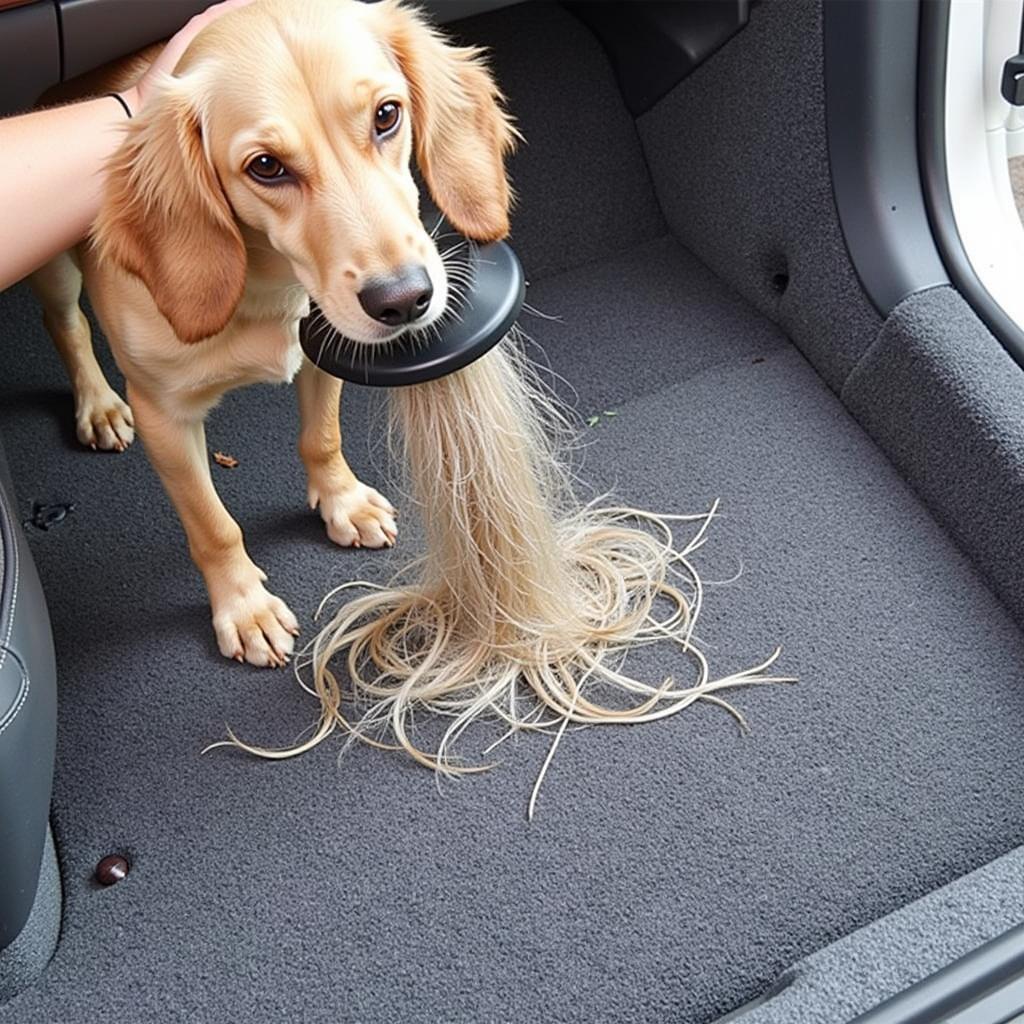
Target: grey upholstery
x=27 y=727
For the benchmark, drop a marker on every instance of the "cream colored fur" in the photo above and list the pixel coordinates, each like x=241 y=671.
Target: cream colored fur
x=525 y=605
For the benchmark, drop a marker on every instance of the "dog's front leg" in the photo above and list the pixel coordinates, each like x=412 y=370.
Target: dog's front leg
x=355 y=515
x=251 y=624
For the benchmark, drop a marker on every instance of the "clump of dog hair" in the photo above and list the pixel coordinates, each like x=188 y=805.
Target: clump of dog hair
x=525 y=602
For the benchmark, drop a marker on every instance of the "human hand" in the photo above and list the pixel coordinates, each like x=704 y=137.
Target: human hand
x=167 y=61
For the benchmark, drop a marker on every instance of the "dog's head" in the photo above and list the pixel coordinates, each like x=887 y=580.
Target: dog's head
x=298 y=118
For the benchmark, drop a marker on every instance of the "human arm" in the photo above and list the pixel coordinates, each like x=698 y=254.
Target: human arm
x=52 y=184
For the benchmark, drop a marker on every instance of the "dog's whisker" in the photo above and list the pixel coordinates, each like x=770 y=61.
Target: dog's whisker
x=533 y=311
x=452 y=249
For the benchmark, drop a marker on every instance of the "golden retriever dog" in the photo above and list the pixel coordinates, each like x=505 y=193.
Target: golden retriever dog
x=273 y=166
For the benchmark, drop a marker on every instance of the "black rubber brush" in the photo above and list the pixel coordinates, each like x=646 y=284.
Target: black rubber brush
x=494 y=292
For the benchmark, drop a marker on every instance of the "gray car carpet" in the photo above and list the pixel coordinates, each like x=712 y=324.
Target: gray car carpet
x=753 y=194
x=673 y=870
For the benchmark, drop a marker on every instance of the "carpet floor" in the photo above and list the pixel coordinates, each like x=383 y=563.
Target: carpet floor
x=673 y=870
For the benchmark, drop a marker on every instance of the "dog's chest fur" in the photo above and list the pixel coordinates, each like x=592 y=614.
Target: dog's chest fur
x=247 y=352
x=260 y=345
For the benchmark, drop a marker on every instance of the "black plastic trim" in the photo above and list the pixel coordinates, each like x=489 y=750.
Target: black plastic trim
x=491 y=304
x=29 y=55
x=60 y=38
x=932 y=146
x=51 y=41
x=98 y=31
x=871 y=105
x=652 y=46
x=961 y=988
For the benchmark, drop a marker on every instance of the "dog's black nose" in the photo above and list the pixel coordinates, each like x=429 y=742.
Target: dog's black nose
x=399 y=299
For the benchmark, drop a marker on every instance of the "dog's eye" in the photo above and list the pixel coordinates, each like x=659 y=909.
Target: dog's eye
x=385 y=121
x=267 y=169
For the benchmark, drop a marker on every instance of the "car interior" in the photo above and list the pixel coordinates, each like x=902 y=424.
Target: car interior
x=744 y=274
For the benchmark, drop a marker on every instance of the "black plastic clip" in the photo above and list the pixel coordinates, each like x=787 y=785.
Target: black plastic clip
x=1012 y=86
x=46 y=515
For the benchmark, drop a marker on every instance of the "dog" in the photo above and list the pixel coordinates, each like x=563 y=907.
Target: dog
x=273 y=166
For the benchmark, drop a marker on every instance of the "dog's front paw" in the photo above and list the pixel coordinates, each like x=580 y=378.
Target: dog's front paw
x=356 y=515
x=255 y=626
x=103 y=421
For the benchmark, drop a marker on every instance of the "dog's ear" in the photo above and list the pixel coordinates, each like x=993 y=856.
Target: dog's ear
x=460 y=129
x=166 y=219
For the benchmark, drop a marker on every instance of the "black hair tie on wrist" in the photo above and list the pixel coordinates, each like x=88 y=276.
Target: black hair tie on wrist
x=120 y=99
